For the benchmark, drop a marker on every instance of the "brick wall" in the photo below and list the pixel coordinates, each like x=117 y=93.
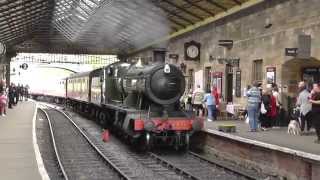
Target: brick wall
x=252 y=40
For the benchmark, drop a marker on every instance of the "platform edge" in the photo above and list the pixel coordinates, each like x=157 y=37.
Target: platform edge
x=42 y=170
x=302 y=154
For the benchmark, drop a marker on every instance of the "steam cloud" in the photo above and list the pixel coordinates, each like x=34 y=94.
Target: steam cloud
x=120 y=25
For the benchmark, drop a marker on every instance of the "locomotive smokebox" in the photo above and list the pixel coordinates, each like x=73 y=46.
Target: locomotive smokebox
x=166 y=84
x=160 y=82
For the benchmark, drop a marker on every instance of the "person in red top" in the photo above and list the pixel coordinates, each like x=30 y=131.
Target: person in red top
x=3 y=102
x=270 y=105
x=216 y=95
x=315 y=101
x=273 y=109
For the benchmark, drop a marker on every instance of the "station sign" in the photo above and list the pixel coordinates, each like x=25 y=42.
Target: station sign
x=311 y=70
x=226 y=43
x=291 y=51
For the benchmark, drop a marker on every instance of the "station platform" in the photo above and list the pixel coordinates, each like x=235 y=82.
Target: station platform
x=275 y=138
x=274 y=152
x=17 y=154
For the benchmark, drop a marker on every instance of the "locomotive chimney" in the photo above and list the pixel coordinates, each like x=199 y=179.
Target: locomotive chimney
x=159 y=55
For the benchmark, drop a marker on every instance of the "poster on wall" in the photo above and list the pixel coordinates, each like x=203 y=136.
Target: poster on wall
x=198 y=79
x=271 y=75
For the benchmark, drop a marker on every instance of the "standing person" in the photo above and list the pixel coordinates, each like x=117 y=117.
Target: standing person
x=265 y=116
x=26 y=92
x=11 y=95
x=315 y=110
x=273 y=108
x=253 y=106
x=15 y=95
x=197 y=98
x=3 y=102
x=6 y=95
x=18 y=88
x=21 y=92
x=305 y=106
x=216 y=95
x=189 y=101
x=2 y=86
x=276 y=94
x=210 y=101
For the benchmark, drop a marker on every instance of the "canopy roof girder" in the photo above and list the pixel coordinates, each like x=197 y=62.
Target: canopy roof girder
x=101 y=26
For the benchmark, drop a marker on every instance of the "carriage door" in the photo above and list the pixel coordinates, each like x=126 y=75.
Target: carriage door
x=229 y=83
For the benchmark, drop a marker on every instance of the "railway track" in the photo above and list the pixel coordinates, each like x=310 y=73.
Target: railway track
x=153 y=165
x=195 y=166
x=77 y=156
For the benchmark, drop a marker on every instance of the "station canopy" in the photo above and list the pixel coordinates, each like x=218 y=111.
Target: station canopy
x=100 y=26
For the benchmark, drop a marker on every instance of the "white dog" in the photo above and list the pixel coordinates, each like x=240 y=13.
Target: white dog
x=294 y=128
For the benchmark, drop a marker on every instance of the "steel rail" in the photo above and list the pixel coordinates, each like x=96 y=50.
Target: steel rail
x=190 y=175
x=222 y=166
x=65 y=176
x=172 y=166
x=112 y=165
x=138 y=158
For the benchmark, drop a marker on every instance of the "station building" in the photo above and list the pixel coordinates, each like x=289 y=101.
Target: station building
x=276 y=41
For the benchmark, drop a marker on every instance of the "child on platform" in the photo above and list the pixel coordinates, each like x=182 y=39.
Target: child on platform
x=3 y=103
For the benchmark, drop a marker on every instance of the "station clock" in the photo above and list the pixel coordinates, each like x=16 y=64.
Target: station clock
x=192 y=51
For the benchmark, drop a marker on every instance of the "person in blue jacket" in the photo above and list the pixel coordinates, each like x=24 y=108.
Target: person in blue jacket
x=210 y=102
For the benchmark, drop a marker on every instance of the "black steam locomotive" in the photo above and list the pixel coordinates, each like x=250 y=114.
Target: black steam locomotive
x=141 y=101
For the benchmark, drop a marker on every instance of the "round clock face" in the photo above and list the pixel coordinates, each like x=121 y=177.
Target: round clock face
x=192 y=51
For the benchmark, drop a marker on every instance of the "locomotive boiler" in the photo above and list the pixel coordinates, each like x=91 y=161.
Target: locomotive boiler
x=138 y=100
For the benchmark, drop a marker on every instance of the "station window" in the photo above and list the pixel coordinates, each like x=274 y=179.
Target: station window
x=190 y=79
x=257 y=70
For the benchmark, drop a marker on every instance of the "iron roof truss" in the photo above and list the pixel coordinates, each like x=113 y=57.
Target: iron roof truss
x=101 y=26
